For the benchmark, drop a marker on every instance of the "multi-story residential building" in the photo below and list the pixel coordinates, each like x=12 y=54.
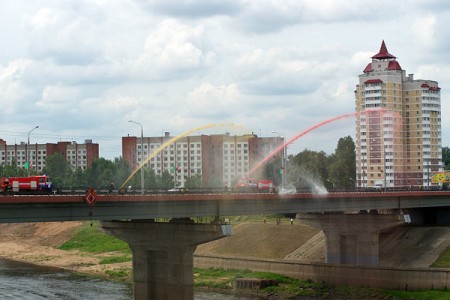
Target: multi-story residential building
x=78 y=156
x=220 y=160
x=398 y=126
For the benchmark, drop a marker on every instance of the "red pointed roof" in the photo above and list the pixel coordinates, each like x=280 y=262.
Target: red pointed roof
x=394 y=65
x=373 y=81
x=383 y=54
x=368 y=68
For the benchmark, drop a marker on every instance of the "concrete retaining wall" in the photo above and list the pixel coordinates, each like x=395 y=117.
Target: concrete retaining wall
x=401 y=279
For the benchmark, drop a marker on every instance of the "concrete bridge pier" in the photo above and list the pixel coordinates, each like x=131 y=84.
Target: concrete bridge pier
x=352 y=238
x=163 y=254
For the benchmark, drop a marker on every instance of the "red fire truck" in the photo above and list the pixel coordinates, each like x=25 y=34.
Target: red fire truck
x=253 y=184
x=31 y=184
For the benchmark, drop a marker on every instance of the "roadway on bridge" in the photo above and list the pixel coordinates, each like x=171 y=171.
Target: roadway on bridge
x=45 y=208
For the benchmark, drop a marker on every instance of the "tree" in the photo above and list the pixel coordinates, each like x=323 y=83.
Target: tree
x=165 y=181
x=100 y=173
x=9 y=170
x=121 y=172
x=194 y=181
x=79 y=179
x=272 y=170
x=150 y=179
x=342 y=167
x=56 y=168
x=308 y=170
x=446 y=157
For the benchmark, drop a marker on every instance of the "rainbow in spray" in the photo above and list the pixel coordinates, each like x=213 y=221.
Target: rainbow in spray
x=281 y=147
x=173 y=140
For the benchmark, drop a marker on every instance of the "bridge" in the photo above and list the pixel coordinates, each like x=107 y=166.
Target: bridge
x=163 y=251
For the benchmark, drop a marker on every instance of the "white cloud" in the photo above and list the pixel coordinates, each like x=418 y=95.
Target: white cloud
x=84 y=68
x=56 y=98
x=282 y=71
x=173 y=48
x=424 y=30
x=212 y=101
x=193 y=8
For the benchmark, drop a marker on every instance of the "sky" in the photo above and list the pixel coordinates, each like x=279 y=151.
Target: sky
x=82 y=69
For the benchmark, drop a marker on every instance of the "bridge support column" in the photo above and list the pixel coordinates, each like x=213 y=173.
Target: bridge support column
x=351 y=238
x=163 y=254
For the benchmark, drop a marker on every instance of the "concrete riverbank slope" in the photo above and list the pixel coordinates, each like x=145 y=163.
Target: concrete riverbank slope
x=406 y=247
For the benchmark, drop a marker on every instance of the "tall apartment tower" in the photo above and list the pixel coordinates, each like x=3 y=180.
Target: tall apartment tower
x=398 y=126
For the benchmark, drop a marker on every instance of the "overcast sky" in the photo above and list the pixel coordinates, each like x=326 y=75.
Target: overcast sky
x=81 y=69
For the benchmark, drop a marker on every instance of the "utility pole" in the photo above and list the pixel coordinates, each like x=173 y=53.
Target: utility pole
x=283 y=160
x=28 y=150
x=142 y=155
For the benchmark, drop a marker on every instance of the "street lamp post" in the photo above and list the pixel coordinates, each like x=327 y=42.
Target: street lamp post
x=283 y=160
x=28 y=149
x=142 y=154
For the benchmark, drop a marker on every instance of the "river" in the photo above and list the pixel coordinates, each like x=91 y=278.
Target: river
x=29 y=282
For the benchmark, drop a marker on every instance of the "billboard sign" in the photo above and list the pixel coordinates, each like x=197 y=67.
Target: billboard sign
x=441 y=177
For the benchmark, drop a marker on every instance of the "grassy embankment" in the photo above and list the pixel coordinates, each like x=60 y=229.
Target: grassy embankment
x=90 y=240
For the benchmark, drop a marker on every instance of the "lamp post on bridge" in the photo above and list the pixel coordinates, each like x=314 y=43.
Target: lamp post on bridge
x=142 y=155
x=283 y=160
x=28 y=149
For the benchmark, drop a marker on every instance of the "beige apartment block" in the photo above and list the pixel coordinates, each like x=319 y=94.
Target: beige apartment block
x=219 y=159
x=398 y=126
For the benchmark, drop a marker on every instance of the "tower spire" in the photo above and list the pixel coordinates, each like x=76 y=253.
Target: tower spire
x=383 y=53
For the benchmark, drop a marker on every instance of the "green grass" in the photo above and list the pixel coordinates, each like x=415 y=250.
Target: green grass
x=115 y=259
x=89 y=238
x=224 y=279
x=290 y=288
x=418 y=295
x=119 y=274
x=444 y=260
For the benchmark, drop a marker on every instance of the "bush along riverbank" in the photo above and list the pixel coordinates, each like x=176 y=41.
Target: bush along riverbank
x=87 y=249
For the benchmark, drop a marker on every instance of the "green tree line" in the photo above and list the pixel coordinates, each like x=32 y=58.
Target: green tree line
x=100 y=175
x=303 y=171
x=309 y=170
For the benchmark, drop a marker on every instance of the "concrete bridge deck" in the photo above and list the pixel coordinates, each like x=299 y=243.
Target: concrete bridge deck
x=47 y=208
